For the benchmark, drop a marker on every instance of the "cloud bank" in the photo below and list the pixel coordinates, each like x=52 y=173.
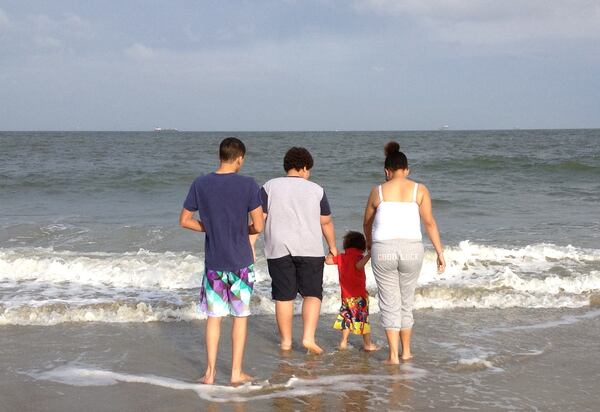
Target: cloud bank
x=302 y=65
x=492 y=21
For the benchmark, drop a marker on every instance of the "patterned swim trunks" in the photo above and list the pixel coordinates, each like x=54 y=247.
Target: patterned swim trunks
x=226 y=293
x=354 y=315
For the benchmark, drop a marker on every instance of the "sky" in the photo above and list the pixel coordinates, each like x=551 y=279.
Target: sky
x=299 y=65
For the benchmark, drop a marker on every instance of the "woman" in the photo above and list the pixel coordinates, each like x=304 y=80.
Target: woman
x=392 y=226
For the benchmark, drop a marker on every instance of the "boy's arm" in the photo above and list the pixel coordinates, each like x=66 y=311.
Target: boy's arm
x=330 y=259
x=254 y=237
x=363 y=261
x=187 y=221
x=327 y=225
x=329 y=234
x=258 y=222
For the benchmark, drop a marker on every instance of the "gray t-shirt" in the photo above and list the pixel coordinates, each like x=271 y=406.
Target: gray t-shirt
x=294 y=206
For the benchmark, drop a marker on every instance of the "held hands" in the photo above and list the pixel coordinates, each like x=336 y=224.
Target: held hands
x=441 y=263
x=332 y=252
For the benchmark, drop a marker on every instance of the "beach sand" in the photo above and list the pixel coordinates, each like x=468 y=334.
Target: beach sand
x=464 y=358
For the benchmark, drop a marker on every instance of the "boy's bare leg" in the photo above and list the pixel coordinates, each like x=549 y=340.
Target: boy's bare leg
x=311 y=307
x=369 y=346
x=212 y=335
x=284 y=313
x=405 y=335
x=239 y=330
x=393 y=337
x=344 y=340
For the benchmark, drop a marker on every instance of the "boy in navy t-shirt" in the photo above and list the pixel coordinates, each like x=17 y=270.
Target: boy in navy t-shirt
x=223 y=200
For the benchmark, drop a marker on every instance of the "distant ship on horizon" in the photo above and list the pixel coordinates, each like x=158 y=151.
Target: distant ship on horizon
x=444 y=127
x=165 y=129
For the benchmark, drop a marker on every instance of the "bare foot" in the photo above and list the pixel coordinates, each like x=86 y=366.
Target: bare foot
x=391 y=361
x=241 y=379
x=207 y=379
x=312 y=347
x=343 y=345
x=284 y=346
x=371 y=348
x=406 y=357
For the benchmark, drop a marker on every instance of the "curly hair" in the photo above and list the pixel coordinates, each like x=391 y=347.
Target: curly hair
x=297 y=158
x=355 y=240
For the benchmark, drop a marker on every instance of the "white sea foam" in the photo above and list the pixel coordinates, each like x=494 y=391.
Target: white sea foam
x=141 y=269
x=563 y=321
x=81 y=375
x=43 y=286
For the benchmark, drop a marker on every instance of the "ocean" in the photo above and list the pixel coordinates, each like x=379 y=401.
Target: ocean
x=90 y=246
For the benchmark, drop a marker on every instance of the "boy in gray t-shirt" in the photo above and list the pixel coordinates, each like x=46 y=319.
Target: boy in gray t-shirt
x=298 y=216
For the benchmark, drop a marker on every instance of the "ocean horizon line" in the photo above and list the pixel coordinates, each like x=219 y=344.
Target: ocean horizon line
x=150 y=130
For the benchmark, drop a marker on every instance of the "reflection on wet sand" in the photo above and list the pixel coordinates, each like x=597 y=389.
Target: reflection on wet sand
x=219 y=407
x=361 y=378
x=286 y=369
x=399 y=392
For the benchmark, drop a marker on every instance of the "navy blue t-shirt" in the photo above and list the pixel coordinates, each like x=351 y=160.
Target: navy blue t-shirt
x=223 y=202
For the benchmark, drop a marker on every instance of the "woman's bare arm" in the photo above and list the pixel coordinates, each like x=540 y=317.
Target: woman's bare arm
x=426 y=212
x=370 y=210
x=363 y=261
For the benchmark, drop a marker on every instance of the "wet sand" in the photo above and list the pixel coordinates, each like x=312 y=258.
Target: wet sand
x=464 y=359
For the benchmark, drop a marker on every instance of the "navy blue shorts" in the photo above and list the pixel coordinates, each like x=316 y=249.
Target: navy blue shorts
x=291 y=275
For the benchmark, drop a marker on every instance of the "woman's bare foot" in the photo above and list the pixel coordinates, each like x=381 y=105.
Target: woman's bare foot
x=343 y=345
x=371 y=347
x=241 y=379
x=389 y=361
x=406 y=357
x=285 y=346
x=312 y=347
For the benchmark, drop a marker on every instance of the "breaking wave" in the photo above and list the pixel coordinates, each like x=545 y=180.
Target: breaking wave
x=42 y=286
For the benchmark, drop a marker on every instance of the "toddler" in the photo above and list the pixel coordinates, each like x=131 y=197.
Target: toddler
x=354 y=311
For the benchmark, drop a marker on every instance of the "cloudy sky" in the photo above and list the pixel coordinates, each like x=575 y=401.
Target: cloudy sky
x=299 y=65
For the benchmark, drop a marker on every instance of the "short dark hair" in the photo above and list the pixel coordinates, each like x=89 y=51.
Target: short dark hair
x=231 y=148
x=355 y=240
x=394 y=158
x=297 y=158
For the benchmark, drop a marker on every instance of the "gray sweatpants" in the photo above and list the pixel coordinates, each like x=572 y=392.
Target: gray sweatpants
x=396 y=265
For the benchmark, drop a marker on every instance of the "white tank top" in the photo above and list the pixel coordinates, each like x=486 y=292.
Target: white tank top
x=397 y=220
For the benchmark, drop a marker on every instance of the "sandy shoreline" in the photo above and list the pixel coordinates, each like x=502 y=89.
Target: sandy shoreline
x=483 y=359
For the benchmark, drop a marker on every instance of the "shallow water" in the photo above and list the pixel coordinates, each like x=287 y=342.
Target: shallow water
x=464 y=358
x=98 y=284
x=88 y=222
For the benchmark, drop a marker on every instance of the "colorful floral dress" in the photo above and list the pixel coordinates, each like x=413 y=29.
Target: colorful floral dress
x=354 y=310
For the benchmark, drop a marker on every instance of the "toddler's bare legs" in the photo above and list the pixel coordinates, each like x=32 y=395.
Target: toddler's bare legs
x=344 y=340
x=369 y=346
